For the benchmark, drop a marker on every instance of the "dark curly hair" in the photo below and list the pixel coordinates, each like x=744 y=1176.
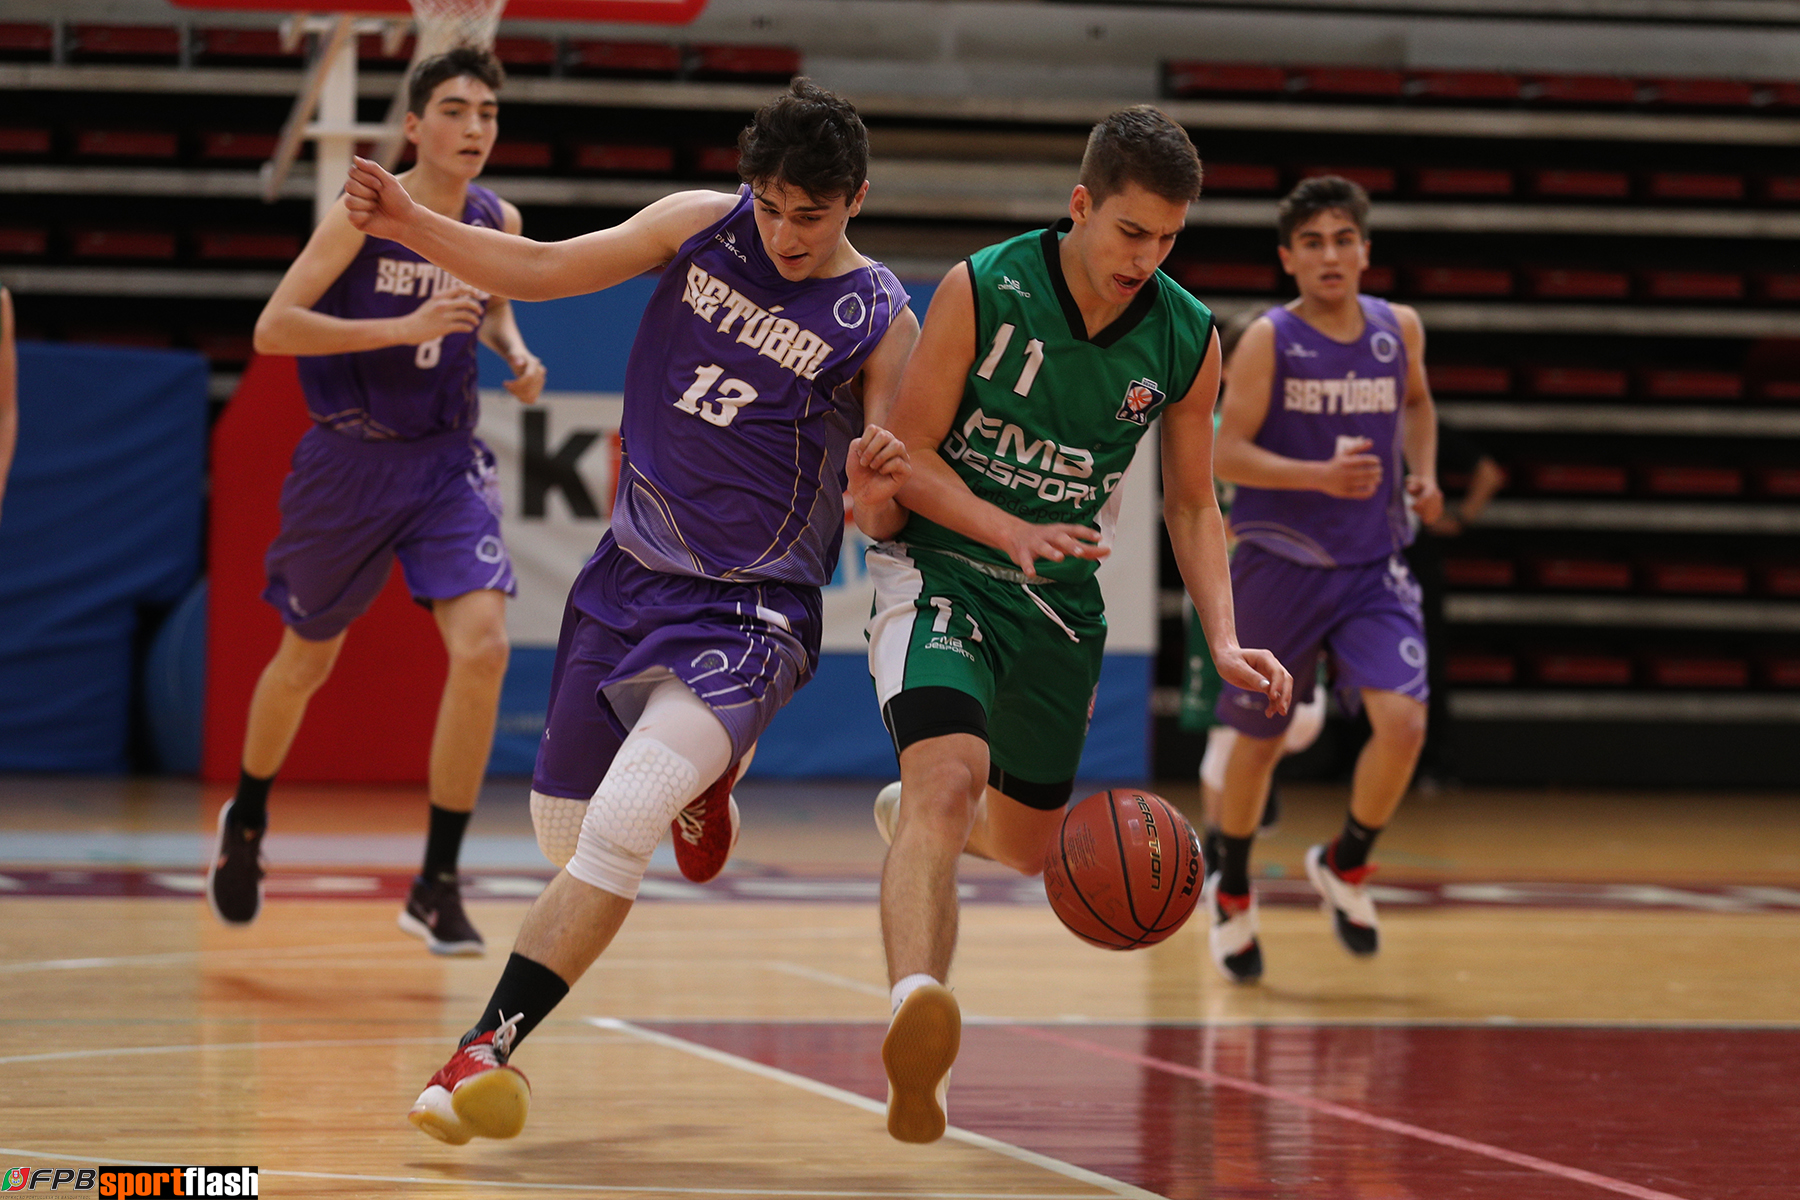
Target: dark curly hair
x=1141 y=145
x=809 y=139
x=1321 y=193
x=463 y=60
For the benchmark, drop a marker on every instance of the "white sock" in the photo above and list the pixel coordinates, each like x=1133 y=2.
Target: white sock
x=907 y=987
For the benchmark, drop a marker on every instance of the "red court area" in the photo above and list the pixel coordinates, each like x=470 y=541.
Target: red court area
x=1359 y=1112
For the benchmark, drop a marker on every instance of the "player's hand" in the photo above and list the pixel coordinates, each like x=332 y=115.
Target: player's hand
x=1257 y=671
x=1029 y=543
x=528 y=376
x=1352 y=473
x=1425 y=498
x=450 y=310
x=377 y=202
x=878 y=465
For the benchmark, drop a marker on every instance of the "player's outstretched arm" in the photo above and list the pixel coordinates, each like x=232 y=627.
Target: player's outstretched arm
x=507 y=265
x=1197 y=535
x=1351 y=474
x=500 y=333
x=9 y=390
x=878 y=464
x=930 y=391
x=288 y=324
x=1418 y=422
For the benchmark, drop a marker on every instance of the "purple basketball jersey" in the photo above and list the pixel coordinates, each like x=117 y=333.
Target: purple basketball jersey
x=1326 y=391
x=397 y=393
x=736 y=421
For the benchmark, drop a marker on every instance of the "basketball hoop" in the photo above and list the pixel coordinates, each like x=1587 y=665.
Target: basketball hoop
x=446 y=24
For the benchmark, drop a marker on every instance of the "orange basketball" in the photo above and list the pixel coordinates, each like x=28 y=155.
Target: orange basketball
x=1124 y=870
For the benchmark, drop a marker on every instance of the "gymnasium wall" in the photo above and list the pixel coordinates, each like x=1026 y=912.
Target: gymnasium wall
x=100 y=535
x=558 y=462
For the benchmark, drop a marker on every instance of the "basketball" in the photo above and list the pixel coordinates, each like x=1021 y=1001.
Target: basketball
x=1124 y=870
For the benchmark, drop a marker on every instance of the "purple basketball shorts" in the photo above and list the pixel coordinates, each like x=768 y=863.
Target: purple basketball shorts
x=1366 y=617
x=349 y=508
x=744 y=648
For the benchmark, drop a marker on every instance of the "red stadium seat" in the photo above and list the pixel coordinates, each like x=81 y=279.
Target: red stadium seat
x=371 y=52
x=745 y=62
x=1782 y=189
x=625 y=160
x=1696 y=671
x=1582 y=574
x=160 y=43
x=225 y=347
x=716 y=160
x=1464 y=667
x=125 y=143
x=1693 y=481
x=1582 y=670
x=1227 y=277
x=1376 y=181
x=1782 y=288
x=1564 y=283
x=1351 y=81
x=1712 y=579
x=643 y=59
x=1781 y=671
x=1452 y=379
x=526 y=52
x=1582 y=89
x=522 y=155
x=27 y=41
x=1583 y=185
x=1462 y=281
x=1379 y=280
x=24 y=141
x=1703 y=93
x=1211 y=79
x=1594 y=382
x=226 y=45
x=1241 y=177
x=1479 y=572
x=1688 y=185
x=1463 y=181
x=16 y=242
x=1780 y=579
x=1692 y=385
x=1693 y=285
x=237 y=147
x=1587 y=479
x=1778 y=481
x=122 y=243
x=233 y=246
x=1465 y=85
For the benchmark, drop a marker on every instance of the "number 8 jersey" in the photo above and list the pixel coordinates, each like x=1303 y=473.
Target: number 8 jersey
x=1050 y=418
x=737 y=421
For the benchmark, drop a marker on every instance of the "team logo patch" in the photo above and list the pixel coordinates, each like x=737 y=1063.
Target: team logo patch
x=850 y=311
x=1140 y=398
x=1384 y=346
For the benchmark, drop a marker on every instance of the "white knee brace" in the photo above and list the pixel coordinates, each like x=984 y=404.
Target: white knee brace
x=1219 y=740
x=647 y=784
x=1303 y=728
x=557 y=821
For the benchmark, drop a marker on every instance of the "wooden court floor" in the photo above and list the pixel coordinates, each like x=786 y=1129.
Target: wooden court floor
x=1579 y=995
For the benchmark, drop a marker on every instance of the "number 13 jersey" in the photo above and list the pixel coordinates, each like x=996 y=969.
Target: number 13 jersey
x=1050 y=418
x=737 y=421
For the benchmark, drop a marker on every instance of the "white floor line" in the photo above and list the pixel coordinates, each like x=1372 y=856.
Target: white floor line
x=1068 y=1170
x=826 y=977
x=277 y=953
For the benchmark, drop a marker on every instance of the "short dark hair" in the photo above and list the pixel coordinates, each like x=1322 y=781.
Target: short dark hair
x=1141 y=145
x=809 y=139
x=1232 y=329
x=472 y=61
x=1321 y=193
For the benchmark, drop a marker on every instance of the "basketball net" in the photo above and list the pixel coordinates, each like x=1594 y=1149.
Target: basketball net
x=446 y=24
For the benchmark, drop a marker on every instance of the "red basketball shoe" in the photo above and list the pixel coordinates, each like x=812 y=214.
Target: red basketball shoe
x=707 y=829
x=476 y=1094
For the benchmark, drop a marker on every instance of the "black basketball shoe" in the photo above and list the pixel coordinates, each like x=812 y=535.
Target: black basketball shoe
x=434 y=914
x=234 y=878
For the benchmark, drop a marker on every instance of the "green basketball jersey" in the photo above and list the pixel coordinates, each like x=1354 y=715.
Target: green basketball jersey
x=1050 y=418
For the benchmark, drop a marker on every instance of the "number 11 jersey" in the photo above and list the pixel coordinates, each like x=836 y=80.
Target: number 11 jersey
x=737 y=421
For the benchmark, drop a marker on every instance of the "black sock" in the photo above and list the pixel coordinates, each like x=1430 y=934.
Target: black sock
x=1212 y=849
x=1234 y=864
x=527 y=989
x=251 y=803
x=443 y=844
x=1351 y=850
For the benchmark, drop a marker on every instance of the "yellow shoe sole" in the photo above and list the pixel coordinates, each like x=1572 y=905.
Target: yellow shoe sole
x=918 y=1052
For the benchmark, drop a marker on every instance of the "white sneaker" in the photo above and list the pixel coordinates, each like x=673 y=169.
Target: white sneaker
x=1233 y=937
x=919 y=1049
x=887 y=811
x=1346 y=899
